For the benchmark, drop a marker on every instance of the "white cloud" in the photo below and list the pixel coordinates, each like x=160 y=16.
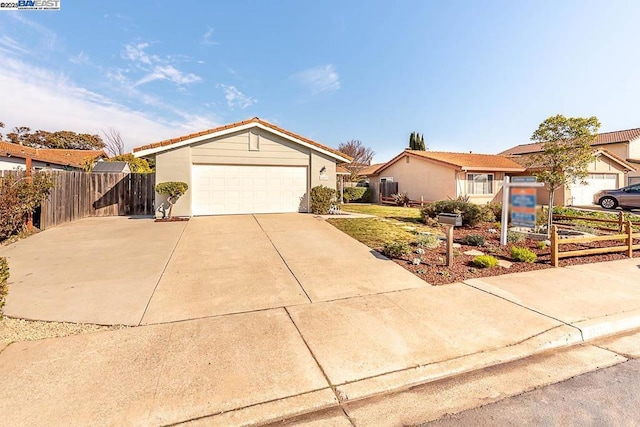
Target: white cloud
x=136 y=53
x=207 y=38
x=235 y=98
x=47 y=37
x=322 y=79
x=10 y=46
x=167 y=72
x=42 y=99
x=80 y=59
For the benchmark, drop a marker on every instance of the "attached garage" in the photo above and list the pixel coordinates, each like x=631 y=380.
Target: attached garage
x=230 y=189
x=243 y=168
x=583 y=194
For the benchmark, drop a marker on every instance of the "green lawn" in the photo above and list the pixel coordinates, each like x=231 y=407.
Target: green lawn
x=372 y=231
x=384 y=211
x=389 y=226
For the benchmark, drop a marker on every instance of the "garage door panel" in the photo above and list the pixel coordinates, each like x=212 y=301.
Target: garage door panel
x=226 y=189
x=583 y=194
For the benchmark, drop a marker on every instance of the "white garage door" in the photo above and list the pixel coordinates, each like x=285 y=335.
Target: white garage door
x=583 y=194
x=221 y=189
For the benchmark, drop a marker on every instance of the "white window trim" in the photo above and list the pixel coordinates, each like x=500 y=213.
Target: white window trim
x=493 y=183
x=386 y=179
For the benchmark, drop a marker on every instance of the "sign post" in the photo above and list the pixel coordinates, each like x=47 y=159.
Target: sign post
x=523 y=201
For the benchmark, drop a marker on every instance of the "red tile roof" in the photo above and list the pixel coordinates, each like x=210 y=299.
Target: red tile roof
x=527 y=160
x=370 y=170
x=168 y=142
x=601 y=139
x=73 y=158
x=342 y=171
x=470 y=160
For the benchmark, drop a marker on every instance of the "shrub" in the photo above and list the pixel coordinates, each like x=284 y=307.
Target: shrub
x=541 y=245
x=173 y=190
x=515 y=237
x=321 y=198
x=396 y=249
x=474 y=240
x=351 y=194
x=367 y=197
x=485 y=261
x=428 y=241
x=523 y=255
x=495 y=209
x=401 y=199
x=4 y=277
x=471 y=214
x=18 y=198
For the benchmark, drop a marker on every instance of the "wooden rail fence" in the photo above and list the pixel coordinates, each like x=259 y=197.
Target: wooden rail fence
x=619 y=221
x=78 y=195
x=627 y=236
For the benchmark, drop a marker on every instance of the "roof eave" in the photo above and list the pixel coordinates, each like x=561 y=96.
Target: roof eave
x=223 y=132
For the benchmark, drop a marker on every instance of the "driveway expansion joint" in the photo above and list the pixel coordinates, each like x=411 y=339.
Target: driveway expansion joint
x=164 y=269
x=282 y=258
x=527 y=308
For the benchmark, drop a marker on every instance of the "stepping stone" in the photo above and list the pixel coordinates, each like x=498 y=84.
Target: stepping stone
x=473 y=252
x=409 y=228
x=504 y=263
x=457 y=245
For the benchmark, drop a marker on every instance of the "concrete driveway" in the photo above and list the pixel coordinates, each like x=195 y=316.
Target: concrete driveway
x=131 y=271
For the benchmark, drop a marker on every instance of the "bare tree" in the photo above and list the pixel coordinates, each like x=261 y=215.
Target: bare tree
x=362 y=156
x=113 y=142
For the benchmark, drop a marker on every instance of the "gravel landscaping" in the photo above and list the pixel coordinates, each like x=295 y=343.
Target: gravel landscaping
x=14 y=330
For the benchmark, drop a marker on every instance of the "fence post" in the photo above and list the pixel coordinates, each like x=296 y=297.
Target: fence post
x=620 y=222
x=554 y=245
x=629 y=239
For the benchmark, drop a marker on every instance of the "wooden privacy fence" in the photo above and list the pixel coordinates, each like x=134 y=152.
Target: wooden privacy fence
x=627 y=236
x=78 y=195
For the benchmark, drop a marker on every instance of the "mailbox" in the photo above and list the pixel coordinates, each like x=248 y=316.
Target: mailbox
x=450 y=219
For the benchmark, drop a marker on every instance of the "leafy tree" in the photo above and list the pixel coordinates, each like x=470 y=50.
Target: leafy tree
x=416 y=142
x=362 y=156
x=566 y=152
x=173 y=190
x=136 y=164
x=60 y=139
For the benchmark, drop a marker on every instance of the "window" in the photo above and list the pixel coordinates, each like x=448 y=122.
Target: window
x=479 y=183
x=386 y=179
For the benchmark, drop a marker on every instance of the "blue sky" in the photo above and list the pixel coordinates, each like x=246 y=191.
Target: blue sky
x=471 y=76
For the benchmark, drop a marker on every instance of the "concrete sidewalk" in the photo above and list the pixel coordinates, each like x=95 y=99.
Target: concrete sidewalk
x=268 y=365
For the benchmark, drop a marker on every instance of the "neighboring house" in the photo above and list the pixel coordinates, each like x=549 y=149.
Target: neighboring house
x=433 y=175
x=617 y=157
x=246 y=167
x=13 y=156
x=111 y=167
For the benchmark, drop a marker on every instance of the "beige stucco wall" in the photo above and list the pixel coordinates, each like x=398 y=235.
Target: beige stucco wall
x=421 y=179
x=175 y=165
x=249 y=147
x=480 y=199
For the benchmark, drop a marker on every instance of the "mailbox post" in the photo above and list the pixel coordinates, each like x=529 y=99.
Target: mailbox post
x=451 y=220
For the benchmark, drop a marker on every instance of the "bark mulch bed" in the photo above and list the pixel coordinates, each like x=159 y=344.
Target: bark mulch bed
x=434 y=271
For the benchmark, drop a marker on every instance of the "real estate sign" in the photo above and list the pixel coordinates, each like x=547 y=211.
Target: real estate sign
x=523 y=207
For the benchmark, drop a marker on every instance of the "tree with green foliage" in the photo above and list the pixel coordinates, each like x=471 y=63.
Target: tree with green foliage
x=60 y=139
x=136 y=164
x=416 y=142
x=173 y=190
x=566 y=152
